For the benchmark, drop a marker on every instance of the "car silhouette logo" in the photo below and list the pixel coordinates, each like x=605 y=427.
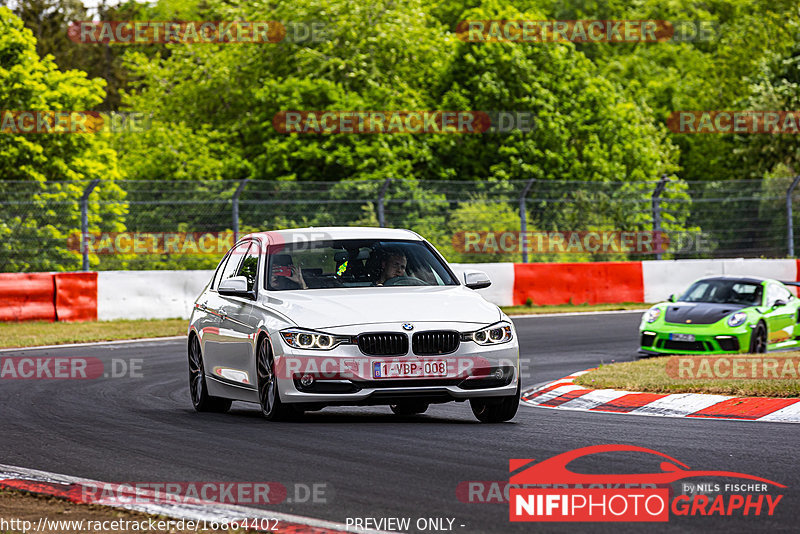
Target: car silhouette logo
x=555 y=471
x=408 y=326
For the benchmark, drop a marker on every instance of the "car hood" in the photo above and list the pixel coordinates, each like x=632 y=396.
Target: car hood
x=327 y=308
x=698 y=312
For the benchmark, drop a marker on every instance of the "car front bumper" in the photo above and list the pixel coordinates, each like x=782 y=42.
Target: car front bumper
x=345 y=376
x=708 y=339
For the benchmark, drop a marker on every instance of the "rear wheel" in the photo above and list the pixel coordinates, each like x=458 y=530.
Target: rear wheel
x=409 y=408
x=201 y=400
x=268 y=395
x=496 y=409
x=758 y=339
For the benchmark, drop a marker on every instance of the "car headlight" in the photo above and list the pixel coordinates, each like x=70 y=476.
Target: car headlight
x=307 y=339
x=737 y=319
x=652 y=314
x=491 y=335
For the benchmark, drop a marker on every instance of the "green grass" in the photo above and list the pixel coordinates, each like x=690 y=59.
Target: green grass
x=650 y=375
x=45 y=333
x=566 y=308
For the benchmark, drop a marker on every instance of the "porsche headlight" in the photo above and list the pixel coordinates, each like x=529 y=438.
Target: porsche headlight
x=737 y=319
x=491 y=335
x=307 y=339
x=652 y=315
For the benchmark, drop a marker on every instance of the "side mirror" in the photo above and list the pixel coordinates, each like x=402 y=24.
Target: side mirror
x=236 y=287
x=476 y=279
x=672 y=298
x=779 y=303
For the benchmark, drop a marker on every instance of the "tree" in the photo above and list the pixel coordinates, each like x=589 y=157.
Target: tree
x=40 y=217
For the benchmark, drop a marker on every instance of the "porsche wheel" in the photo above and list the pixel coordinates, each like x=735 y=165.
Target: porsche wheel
x=758 y=339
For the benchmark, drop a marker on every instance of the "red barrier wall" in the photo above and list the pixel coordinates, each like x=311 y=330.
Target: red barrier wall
x=48 y=296
x=27 y=297
x=76 y=296
x=579 y=283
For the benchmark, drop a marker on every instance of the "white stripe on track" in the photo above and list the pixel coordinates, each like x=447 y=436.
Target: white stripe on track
x=209 y=512
x=96 y=343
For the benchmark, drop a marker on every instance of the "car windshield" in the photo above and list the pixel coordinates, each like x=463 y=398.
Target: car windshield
x=724 y=292
x=355 y=263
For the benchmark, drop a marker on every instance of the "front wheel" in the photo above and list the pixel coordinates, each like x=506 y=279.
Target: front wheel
x=496 y=409
x=758 y=339
x=268 y=395
x=201 y=400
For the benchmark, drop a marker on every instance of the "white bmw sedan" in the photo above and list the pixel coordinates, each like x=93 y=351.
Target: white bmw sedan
x=297 y=320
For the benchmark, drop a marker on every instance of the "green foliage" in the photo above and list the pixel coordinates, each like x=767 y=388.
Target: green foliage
x=34 y=234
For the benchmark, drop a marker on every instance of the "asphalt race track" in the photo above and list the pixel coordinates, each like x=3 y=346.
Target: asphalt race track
x=372 y=463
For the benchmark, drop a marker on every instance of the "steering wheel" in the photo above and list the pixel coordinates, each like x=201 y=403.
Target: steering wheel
x=404 y=281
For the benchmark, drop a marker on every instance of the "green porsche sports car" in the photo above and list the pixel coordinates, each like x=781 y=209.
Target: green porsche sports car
x=723 y=314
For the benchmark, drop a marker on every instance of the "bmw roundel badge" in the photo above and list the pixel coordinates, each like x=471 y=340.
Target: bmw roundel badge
x=408 y=326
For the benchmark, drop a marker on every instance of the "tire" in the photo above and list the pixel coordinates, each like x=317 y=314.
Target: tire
x=496 y=409
x=201 y=400
x=269 y=397
x=410 y=408
x=758 y=339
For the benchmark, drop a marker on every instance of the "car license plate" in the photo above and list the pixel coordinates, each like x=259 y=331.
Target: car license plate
x=415 y=369
x=681 y=337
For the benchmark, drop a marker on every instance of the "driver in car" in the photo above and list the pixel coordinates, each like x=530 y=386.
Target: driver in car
x=393 y=265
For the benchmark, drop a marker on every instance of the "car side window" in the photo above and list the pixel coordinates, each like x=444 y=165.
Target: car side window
x=216 y=277
x=235 y=257
x=249 y=266
x=783 y=294
x=774 y=294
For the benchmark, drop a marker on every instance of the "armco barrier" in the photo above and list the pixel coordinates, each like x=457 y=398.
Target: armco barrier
x=76 y=296
x=578 y=283
x=148 y=294
x=27 y=297
x=663 y=278
x=48 y=296
x=165 y=294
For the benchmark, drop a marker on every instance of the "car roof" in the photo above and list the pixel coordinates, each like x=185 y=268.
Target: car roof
x=324 y=233
x=747 y=279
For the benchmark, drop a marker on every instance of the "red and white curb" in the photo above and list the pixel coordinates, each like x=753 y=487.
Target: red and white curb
x=564 y=394
x=75 y=489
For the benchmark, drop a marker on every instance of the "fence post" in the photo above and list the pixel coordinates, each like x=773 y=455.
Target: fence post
x=85 y=223
x=381 y=196
x=789 y=222
x=523 y=219
x=656 y=207
x=236 y=208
